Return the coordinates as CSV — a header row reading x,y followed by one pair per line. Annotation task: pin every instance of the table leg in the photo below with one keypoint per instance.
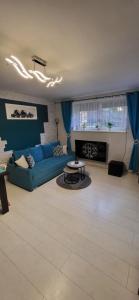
x,y
82,173
3,195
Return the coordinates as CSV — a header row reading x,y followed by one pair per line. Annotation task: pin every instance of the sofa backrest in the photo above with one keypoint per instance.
x,y
39,152
48,149
18,153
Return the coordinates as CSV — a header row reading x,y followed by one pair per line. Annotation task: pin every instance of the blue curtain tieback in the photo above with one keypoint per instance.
x,y
136,142
68,135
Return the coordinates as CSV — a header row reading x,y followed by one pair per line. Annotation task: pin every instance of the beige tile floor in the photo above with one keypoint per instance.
x,y
58,244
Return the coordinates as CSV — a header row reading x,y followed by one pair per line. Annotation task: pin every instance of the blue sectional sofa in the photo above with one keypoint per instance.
x,y
46,166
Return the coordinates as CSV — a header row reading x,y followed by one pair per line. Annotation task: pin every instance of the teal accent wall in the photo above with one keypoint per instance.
x,y
21,134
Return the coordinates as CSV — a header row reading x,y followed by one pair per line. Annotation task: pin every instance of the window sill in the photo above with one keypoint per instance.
x,y
101,131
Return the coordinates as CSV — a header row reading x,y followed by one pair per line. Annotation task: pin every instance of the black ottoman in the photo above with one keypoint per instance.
x,y
116,168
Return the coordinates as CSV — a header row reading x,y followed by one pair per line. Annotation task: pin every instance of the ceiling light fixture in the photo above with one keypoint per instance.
x,y
37,76
30,74
53,82
50,84
43,76
58,80
21,66
17,68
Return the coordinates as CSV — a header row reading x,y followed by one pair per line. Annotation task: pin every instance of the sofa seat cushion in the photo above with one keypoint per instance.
x,y
51,165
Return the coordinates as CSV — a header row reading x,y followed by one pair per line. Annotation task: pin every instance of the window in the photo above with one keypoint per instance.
x,y
102,114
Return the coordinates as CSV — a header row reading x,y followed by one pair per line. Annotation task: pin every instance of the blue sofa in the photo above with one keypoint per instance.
x,y
46,166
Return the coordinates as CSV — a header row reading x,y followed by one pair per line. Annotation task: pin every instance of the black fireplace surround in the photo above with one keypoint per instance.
x,y
91,150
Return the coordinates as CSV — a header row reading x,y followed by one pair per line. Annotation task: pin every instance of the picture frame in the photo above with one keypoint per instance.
x,y
20,112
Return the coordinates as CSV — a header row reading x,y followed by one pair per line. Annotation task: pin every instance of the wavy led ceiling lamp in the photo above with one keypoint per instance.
x,y
18,69
18,62
39,75
53,82
30,74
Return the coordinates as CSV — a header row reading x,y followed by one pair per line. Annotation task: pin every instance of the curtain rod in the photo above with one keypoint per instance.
x,y
99,97
93,97
121,93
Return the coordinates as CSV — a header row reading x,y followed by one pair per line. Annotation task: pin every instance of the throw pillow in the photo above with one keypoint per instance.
x,y
21,162
65,149
30,161
47,151
37,153
58,150
54,144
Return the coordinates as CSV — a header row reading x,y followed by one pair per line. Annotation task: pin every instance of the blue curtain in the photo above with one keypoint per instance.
x,y
133,111
66,108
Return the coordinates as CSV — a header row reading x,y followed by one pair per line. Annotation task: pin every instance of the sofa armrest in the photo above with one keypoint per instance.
x,y
19,169
20,176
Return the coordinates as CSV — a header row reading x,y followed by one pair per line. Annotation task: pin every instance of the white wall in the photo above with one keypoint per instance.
x,y
116,140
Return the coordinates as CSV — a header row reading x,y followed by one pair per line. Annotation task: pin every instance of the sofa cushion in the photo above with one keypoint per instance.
x,y
58,150
30,160
47,151
54,144
18,153
21,162
37,153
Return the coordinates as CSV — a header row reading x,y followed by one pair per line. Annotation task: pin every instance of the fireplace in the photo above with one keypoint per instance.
x,y
91,150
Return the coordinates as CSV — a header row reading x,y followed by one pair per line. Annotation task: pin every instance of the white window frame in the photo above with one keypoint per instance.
x,y
96,115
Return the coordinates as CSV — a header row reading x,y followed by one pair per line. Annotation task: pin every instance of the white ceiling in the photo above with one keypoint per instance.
x,y
93,44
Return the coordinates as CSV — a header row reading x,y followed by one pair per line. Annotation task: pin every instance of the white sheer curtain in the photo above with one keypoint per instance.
x,y
101,114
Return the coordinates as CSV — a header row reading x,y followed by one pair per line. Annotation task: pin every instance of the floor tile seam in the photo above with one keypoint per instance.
x,y
89,294
82,219
95,243
38,290
97,228
72,252
37,251
22,273
97,269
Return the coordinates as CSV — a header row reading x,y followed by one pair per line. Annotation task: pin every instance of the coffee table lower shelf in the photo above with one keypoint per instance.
x,y
72,176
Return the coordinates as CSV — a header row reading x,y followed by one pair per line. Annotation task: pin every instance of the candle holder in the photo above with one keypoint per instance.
x,y
76,160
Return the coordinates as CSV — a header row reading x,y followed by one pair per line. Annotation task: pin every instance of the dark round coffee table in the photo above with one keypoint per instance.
x,y
71,176
79,166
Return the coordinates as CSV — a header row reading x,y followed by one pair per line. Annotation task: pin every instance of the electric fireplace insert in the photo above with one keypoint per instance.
x,y
93,150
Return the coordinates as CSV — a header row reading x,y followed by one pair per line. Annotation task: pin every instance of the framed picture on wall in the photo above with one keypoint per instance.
x,y
20,112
